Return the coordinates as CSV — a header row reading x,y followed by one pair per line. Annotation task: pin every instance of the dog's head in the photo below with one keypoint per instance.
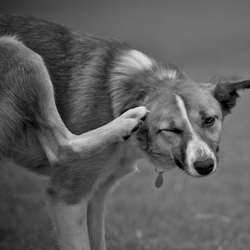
x,y
185,123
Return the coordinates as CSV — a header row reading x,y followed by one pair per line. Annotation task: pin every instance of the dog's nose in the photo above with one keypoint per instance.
x,y
204,167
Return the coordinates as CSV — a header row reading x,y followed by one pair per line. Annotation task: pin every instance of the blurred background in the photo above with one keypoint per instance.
x,y
204,38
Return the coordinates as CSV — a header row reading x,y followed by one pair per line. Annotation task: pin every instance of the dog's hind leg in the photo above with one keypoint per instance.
x,y
27,97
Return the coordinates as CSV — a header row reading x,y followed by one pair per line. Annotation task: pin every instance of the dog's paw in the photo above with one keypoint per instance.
x,y
132,120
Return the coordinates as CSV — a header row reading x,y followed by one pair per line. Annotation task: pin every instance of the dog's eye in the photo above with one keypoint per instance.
x,y
171,130
209,121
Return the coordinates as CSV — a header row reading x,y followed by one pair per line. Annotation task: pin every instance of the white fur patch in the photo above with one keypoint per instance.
x,y
196,146
129,63
183,110
9,38
171,74
133,61
164,74
137,60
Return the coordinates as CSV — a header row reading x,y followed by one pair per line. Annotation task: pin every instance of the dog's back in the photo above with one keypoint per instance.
x,y
78,66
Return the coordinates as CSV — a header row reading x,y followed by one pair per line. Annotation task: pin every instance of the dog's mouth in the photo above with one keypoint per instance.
x,y
182,166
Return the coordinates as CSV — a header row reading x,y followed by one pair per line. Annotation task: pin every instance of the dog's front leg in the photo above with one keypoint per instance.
x,y
96,223
96,215
70,222
96,206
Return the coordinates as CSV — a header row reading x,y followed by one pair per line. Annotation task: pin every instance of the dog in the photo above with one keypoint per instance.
x,y
113,105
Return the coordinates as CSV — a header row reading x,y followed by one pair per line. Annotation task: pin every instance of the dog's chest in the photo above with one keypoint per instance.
x,y
123,162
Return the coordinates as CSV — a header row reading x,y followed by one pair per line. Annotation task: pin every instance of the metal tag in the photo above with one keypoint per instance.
x,y
159,180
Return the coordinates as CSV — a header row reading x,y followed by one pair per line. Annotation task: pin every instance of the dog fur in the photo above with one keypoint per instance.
x,y
96,81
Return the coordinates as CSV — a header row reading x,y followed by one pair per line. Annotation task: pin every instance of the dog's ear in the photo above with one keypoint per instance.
x,y
226,90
